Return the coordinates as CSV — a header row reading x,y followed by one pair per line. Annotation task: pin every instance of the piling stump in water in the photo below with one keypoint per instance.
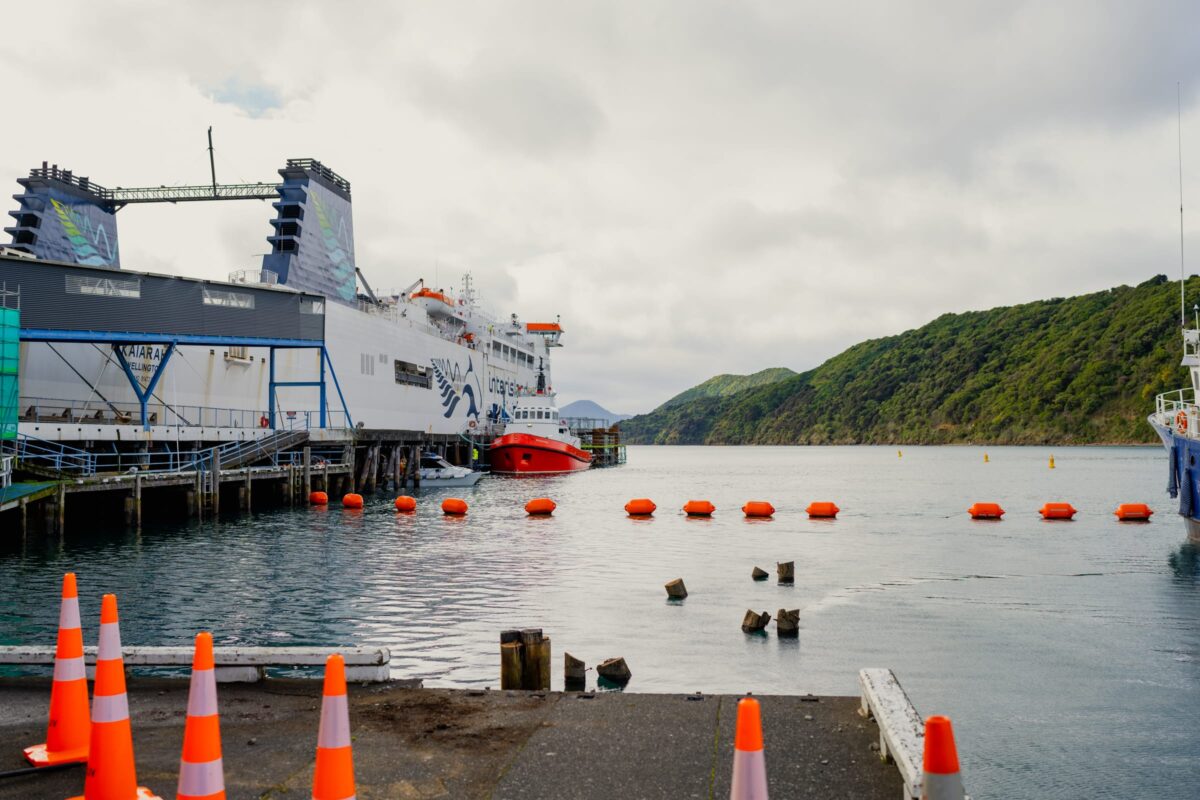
x,y
759,574
676,590
787,622
615,670
786,571
574,673
754,622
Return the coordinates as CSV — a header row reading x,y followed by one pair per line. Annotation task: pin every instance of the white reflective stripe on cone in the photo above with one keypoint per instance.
x,y
110,707
942,787
68,613
69,669
749,776
335,722
202,694
202,779
110,642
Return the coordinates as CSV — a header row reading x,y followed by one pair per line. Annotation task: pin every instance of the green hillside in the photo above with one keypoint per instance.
x,y
723,385
1073,371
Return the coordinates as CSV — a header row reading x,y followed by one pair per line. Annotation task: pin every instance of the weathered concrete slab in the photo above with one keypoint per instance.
x,y
814,747
618,745
440,743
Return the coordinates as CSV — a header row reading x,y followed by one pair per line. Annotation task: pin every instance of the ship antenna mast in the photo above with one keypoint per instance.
x,y
212,165
1179,133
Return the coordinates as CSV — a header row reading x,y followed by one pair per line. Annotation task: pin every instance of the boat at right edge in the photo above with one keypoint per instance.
x,y
1176,419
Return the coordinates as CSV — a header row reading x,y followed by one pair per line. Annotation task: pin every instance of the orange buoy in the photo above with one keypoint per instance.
x,y
823,510
699,508
640,507
1133,512
318,498
454,506
352,500
1058,511
405,503
758,508
986,511
540,507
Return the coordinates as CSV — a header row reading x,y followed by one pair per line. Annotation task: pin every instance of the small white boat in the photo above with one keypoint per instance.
x,y
437,471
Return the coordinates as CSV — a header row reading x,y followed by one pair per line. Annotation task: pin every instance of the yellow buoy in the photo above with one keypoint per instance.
x,y
985,458
1051,461
899,454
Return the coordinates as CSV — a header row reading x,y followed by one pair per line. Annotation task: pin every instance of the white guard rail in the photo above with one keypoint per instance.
x,y
901,730
233,664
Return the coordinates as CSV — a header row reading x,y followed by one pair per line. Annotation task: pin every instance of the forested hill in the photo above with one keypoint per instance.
x,y
722,385
1072,371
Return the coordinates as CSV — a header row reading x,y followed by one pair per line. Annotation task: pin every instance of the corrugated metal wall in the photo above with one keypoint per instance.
x,y
79,298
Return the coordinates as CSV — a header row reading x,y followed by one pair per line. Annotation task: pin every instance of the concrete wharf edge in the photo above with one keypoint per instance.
x,y
412,742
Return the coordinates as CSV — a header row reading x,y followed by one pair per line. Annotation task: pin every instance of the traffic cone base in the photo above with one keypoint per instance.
x,y
39,756
69,727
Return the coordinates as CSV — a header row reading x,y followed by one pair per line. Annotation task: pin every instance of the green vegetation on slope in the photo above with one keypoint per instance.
x,y
723,385
1072,371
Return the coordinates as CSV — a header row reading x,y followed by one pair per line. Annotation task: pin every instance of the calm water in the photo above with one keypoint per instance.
x,y
1068,654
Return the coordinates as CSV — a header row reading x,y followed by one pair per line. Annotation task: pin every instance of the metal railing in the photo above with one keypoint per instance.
x,y
6,468
1178,411
107,412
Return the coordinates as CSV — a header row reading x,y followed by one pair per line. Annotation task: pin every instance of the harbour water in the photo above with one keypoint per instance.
x,y
1067,653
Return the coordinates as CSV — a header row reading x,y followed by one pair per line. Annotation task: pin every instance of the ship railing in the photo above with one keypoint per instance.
x,y
1178,410
170,415
6,468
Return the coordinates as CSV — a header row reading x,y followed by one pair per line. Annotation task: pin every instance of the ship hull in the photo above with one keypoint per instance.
x,y
526,454
1183,476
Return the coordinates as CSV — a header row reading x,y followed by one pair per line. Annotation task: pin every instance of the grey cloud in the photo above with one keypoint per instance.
x,y
522,106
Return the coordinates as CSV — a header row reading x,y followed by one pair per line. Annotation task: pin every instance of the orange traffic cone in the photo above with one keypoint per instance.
x,y
749,766
942,780
201,774
333,778
67,733
110,771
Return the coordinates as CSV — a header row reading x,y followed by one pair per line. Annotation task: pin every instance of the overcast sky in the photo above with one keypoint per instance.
x,y
696,187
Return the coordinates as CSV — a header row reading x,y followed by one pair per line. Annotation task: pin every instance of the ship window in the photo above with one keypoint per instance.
x,y
412,374
541,414
104,287
217,297
312,305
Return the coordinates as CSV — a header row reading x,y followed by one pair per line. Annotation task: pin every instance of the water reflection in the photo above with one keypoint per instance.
x,y
1185,563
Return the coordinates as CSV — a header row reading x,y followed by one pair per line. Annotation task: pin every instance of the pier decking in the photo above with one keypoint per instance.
x,y
432,743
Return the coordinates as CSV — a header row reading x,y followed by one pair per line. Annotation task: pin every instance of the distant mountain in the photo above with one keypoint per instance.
x,y
724,385
590,410
1077,370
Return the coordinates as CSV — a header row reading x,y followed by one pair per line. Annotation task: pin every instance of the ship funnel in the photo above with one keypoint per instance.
x,y
65,217
312,248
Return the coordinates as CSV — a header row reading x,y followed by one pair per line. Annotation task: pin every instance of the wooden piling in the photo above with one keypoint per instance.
x,y
676,590
759,574
786,571
535,659
216,483
306,454
787,622
753,622
416,466
574,673
61,508
137,499
249,489
615,670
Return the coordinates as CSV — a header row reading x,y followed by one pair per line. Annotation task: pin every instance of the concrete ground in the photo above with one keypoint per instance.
x,y
411,742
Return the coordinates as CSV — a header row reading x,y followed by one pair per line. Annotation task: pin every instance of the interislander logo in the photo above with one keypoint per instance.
x,y
455,386
89,241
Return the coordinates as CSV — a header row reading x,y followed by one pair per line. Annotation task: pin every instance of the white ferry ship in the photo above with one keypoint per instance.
x,y
426,359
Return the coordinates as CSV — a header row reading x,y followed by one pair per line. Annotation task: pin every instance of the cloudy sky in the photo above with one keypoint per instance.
x,y
696,187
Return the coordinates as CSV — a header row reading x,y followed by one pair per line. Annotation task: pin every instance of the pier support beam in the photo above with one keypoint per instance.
x,y
306,454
